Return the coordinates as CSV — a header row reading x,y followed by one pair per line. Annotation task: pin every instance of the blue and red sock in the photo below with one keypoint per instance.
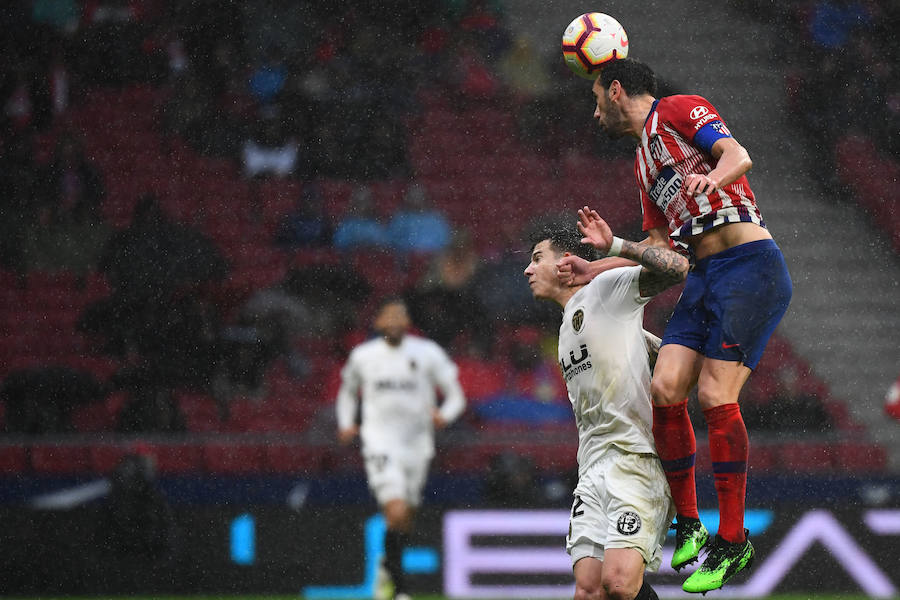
x,y
729,448
677,446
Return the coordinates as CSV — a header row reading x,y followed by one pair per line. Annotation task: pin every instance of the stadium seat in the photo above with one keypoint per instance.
x,y
294,458
800,457
60,459
860,457
177,458
232,458
13,460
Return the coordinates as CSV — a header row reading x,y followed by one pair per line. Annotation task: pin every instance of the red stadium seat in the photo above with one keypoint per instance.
x,y
802,457
232,458
59,459
860,457
294,458
13,460
177,458
105,458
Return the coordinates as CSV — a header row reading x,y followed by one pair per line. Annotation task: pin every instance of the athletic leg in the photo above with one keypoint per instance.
x,y
620,576
678,368
398,516
718,388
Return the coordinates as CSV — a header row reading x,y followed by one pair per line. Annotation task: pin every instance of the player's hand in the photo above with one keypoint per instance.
x,y
696,184
594,229
438,419
573,270
345,436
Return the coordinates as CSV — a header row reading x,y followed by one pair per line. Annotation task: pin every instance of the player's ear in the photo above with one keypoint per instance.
x,y
615,88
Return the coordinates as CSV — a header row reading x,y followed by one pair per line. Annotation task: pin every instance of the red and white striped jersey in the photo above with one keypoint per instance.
x,y
676,141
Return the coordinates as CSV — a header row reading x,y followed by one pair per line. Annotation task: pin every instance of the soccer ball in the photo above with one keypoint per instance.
x,y
591,41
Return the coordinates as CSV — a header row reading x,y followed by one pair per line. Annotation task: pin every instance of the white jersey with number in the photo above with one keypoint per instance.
x,y
397,387
603,357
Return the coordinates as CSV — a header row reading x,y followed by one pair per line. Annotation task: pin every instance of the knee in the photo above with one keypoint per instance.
x,y
589,592
619,588
664,391
711,396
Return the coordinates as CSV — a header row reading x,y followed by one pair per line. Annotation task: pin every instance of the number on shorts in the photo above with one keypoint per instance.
x,y
576,506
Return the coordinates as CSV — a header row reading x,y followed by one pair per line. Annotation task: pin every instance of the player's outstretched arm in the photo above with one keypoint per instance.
x,y
663,267
732,161
573,270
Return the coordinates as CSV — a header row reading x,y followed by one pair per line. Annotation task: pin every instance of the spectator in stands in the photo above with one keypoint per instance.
x,y
417,226
40,400
305,226
150,408
138,520
70,187
154,255
18,178
266,328
269,78
791,407
534,392
511,482
524,72
446,303
360,227
270,149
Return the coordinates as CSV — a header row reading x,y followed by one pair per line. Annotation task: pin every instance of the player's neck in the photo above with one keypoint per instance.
x,y
637,113
565,294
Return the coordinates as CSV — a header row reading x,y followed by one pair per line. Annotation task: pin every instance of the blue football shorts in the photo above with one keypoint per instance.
x,y
732,302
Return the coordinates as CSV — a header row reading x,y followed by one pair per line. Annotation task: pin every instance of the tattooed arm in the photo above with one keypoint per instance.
x,y
662,267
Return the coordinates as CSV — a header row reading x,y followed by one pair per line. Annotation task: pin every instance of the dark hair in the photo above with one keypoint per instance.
x,y
388,301
636,77
563,238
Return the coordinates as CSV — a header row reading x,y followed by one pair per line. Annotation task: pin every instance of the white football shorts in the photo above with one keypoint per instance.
x,y
621,501
394,476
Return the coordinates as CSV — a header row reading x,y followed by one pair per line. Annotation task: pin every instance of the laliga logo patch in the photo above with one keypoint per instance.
x,y
629,523
698,111
578,320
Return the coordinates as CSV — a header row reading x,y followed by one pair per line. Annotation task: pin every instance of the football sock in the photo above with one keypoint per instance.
x,y
729,449
394,541
646,593
676,446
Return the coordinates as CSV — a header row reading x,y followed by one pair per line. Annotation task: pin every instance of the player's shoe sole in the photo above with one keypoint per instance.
x,y
690,537
722,563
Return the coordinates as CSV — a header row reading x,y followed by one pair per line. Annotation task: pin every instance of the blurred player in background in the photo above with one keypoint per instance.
x,y
622,508
694,193
395,376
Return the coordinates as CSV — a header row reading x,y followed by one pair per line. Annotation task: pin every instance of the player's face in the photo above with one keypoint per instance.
x,y
542,272
609,116
392,322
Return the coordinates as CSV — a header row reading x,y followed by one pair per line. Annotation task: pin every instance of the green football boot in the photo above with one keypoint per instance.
x,y
690,537
722,563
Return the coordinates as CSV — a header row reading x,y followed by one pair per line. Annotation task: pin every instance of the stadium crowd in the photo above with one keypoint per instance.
x,y
202,203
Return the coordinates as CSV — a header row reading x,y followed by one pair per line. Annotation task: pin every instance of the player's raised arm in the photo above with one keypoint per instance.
x,y
663,267
733,161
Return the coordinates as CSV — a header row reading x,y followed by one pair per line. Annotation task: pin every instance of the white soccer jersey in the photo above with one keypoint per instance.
x,y
603,357
397,385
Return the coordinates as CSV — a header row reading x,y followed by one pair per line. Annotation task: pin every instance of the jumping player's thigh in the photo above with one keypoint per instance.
x,y
676,373
720,382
